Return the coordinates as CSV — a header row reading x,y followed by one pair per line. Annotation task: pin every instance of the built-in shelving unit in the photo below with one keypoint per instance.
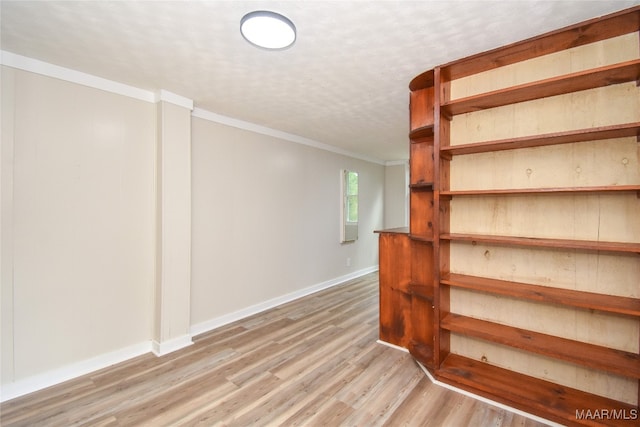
x,y
433,286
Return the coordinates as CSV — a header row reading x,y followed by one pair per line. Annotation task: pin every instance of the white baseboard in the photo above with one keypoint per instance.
x,y
38,382
397,347
56,376
225,319
166,347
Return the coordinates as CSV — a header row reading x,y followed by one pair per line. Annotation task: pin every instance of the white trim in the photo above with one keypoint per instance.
x,y
225,319
241,124
24,63
396,347
56,376
396,162
169,346
39,67
485,400
180,101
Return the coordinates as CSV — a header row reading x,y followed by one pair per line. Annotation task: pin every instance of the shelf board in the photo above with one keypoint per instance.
x,y
422,186
583,80
421,132
590,355
398,230
587,245
556,138
587,32
543,398
422,81
419,238
556,190
546,294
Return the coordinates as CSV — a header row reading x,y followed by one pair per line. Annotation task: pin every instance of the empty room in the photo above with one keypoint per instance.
x,y
342,213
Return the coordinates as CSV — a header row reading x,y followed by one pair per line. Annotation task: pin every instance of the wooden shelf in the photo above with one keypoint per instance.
x,y
557,190
581,135
546,399
422,186
398,230
421,132
583,80
426,239
587,32
422,81
546,294
593,356
586,245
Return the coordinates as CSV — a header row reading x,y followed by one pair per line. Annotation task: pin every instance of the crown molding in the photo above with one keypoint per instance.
x,y
50,70
172,98
24,63
396,163
241,124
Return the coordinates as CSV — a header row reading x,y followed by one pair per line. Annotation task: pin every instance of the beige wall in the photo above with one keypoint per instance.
x,y
266,217
396,203
79,217
82,235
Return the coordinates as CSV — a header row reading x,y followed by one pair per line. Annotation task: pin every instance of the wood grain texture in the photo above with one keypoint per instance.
x,y
598,357
554,138
574,82
314,361
585,245
546,294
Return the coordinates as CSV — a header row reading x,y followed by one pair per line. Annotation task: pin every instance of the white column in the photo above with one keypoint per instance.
x,y
6,230
173,238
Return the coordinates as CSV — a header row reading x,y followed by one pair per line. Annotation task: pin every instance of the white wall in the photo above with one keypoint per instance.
x,y
396,203
79,215
80,232
266,218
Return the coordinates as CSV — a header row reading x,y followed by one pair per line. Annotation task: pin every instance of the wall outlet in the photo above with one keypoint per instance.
x,y
348,262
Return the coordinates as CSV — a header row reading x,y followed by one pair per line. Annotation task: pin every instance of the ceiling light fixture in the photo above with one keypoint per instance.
x,y
268,30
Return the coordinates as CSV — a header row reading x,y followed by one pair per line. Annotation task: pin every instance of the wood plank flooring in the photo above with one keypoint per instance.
x,y
312,362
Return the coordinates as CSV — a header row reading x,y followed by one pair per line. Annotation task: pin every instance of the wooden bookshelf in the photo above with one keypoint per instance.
x,y
429,287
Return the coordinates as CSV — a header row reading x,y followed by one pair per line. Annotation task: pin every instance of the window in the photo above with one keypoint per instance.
x,y
349,229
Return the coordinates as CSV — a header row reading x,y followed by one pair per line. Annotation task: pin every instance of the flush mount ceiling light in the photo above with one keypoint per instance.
x,y
268,30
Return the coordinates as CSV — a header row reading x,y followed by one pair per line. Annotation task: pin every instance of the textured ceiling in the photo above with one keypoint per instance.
x,y
343,83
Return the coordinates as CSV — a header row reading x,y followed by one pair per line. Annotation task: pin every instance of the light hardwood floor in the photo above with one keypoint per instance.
x,y
314,361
